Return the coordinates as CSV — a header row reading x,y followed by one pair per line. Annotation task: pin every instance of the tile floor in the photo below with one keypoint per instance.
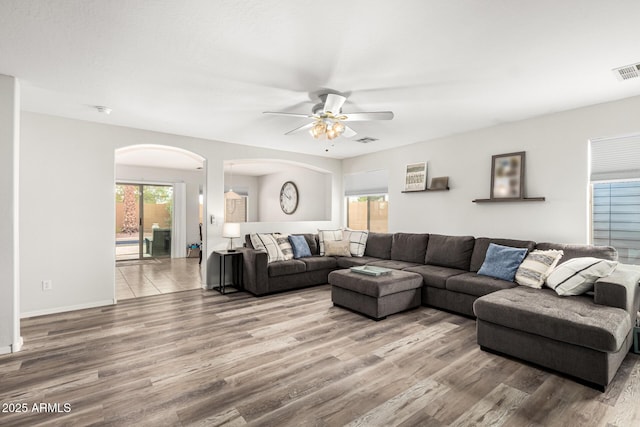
x,y
156,276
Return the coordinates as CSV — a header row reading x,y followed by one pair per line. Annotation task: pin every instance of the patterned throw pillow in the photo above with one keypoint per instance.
x,y
578,275
284,245
325,235
536,267
357,240
337,248
267,243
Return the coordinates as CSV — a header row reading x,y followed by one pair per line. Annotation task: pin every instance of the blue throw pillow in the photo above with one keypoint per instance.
x,y
502,262
300,247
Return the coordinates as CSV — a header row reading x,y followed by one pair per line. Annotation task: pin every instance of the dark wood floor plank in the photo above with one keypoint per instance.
x,y
200,358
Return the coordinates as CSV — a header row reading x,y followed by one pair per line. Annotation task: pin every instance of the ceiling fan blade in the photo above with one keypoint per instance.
x,y
280,113
308,126
348,132
334,103
360,117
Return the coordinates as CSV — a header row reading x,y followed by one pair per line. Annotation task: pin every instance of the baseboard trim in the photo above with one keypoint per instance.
x,y
56,310
15,347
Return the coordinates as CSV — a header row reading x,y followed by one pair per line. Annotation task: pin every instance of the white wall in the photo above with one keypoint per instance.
x,y
10,340
314,195
192,179
67,213
557,165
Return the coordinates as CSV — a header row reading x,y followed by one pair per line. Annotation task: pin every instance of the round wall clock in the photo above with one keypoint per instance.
x,y
289,197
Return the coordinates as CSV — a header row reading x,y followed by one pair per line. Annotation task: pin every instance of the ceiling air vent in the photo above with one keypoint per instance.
x,y
366,139
627,72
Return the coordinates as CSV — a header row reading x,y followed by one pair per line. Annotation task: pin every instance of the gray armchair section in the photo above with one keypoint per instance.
x,y
585,336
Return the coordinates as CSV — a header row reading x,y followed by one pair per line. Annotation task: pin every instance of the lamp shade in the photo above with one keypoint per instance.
x,y
231,230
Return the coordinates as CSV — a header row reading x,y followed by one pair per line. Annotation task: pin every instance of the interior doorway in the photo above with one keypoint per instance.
x,y
143,221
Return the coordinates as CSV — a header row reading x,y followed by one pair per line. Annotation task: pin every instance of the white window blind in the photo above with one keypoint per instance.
x,y
366,183
615,158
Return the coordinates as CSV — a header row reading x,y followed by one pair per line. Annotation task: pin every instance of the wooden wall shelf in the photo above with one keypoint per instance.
x,y
428,189
521,199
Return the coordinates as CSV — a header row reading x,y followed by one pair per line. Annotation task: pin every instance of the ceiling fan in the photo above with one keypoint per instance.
x,y
328,118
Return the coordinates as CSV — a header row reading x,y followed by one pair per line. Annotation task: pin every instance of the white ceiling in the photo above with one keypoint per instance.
x,y
210,68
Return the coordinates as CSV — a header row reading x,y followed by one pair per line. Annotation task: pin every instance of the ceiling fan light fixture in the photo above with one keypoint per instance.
x,y
338,127
318,129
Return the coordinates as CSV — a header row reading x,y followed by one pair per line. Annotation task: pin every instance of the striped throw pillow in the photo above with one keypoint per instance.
x,y
284,245
578,275
267,243
536,267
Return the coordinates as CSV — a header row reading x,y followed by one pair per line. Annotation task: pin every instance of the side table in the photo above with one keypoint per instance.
x,y
236,271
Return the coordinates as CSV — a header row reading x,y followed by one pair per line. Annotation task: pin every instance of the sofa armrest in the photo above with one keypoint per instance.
x,y
254,274
620,289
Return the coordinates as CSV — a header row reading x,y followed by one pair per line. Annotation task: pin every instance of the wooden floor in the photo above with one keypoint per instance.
x,y
155,276
201,358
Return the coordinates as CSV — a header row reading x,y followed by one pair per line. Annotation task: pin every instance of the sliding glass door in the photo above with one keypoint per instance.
x,y
143,221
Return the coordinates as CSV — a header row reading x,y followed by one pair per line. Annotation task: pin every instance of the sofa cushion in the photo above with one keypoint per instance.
x,y
482,244
348,262
379,245
395,265
324,235
450,251
575,320
578,251
284,245
320,263
502,262
536,267
312,242
337,248
578,275
410,247
357,241
282,268
267,243
476,284
299,246
435,276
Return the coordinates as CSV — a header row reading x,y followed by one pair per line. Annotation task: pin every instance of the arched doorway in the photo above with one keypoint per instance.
x,y
159,204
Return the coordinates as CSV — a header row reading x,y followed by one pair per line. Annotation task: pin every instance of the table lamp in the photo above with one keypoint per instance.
x,y
231,230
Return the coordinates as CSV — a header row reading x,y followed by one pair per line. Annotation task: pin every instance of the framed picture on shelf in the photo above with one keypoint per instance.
x,y
507,176
440,183
416,177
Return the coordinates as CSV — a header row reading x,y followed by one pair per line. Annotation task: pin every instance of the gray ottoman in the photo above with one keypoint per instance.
x,y
376,296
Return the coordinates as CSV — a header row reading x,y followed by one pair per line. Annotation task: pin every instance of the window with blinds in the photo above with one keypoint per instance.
x,y
615,179
616,218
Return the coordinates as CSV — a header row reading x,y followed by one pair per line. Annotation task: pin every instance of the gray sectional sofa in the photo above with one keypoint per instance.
x,y
586,336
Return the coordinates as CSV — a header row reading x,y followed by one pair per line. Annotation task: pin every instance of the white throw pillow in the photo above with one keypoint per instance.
x,y
357,241
536,267
267,243
578,275
324,235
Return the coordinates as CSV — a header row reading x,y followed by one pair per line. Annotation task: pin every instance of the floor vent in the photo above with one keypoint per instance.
x,y
627,72
366,139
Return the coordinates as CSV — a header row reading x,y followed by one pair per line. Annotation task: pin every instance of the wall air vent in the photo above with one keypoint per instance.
x,y
366,139
627,72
